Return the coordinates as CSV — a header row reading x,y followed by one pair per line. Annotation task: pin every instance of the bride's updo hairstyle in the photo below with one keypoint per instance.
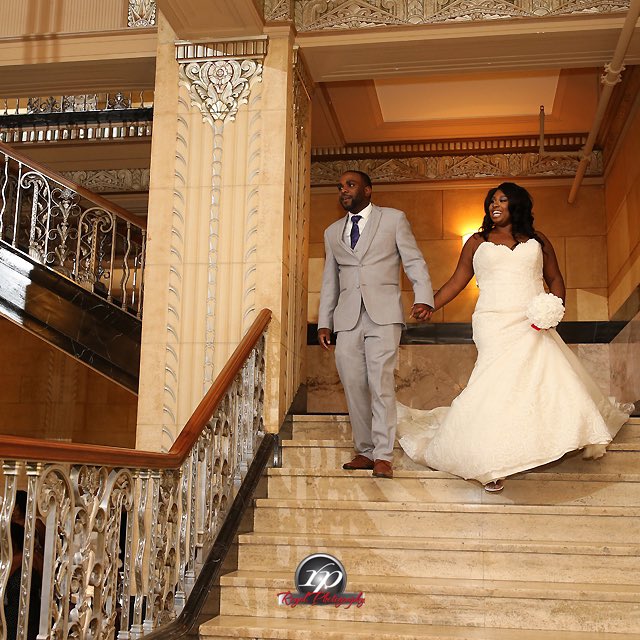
x,y
520,208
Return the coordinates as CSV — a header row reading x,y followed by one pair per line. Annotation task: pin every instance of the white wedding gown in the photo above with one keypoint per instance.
x,y
528,400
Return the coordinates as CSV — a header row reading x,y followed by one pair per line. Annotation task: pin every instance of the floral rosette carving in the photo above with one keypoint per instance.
x,y
219,87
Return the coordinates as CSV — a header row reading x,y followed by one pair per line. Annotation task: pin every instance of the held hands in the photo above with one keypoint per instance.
x,y
324,338
422,312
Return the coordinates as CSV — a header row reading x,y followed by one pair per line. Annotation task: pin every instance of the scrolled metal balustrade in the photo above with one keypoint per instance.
x,y
79,234
86,117
122,534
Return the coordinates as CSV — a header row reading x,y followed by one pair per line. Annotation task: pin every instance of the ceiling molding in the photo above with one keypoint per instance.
x,y
583,41
454,167
471,146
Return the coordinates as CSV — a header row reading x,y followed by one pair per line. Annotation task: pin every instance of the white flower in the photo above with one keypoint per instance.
x,y
545,311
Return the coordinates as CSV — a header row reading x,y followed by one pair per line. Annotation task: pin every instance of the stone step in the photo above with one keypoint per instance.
x,y
435,486
442,601
338,427
332,454
251,628
490,559
447,520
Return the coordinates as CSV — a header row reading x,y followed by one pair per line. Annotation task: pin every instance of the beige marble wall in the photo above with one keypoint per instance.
x,y
428,375
622,201
625,363
47,394
441,215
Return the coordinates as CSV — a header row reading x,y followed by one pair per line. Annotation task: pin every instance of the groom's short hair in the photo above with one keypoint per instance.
x,y
365,177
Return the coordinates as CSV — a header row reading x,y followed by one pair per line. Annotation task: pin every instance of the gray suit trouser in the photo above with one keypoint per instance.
x,y
366,359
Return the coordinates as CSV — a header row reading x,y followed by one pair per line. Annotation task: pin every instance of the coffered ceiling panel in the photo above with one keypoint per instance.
x,y
479,95
454,106
460,80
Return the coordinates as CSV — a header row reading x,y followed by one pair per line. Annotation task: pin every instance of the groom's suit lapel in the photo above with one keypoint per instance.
x,y
340,233
369,231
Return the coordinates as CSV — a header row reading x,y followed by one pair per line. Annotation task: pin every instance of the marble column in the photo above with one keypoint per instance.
x,y
227,223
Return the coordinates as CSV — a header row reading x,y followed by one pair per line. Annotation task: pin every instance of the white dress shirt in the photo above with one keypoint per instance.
x,y
361,223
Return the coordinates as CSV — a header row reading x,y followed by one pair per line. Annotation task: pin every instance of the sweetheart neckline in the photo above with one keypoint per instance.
x,y
506,246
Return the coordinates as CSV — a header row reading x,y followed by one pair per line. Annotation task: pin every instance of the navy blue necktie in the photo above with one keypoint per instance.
x,y
355,231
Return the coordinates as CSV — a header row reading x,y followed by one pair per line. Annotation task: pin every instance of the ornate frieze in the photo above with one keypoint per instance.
x,y
142,13
219,76
458,167
111,180
279,10
316,15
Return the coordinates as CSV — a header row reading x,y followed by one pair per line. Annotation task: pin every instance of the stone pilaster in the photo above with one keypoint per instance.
x,y
226,235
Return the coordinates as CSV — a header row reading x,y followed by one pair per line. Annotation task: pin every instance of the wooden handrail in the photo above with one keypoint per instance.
x,y
85,193
20,448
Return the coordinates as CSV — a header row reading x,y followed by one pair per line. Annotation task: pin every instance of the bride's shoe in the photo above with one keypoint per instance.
x,y
495,486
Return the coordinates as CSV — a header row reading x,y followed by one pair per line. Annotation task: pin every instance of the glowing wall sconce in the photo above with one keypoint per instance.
x,y
466,236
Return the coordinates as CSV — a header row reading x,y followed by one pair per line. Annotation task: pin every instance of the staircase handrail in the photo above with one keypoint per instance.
x,y
77,233
96,198
22,448
115,539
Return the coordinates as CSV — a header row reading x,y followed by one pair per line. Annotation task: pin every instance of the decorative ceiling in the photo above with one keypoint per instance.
x,y
454,106
460,80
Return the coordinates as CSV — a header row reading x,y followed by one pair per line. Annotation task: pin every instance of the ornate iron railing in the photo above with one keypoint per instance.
x,y
96,116
61,225
82,103
114,539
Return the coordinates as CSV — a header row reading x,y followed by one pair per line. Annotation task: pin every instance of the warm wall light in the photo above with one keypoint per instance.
x,y
466,236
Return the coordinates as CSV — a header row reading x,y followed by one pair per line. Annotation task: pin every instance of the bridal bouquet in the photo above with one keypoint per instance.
x,y
545,311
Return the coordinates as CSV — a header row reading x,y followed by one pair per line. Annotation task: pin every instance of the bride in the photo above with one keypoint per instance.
x,y
529,400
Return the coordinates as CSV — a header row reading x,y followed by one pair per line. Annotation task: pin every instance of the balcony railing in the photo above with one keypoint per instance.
x,y
59,118
79,234
111,540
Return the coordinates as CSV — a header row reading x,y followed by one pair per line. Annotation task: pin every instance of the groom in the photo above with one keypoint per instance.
x,y
360,301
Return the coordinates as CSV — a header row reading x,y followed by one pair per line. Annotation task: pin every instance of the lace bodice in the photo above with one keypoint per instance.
x,y
508,279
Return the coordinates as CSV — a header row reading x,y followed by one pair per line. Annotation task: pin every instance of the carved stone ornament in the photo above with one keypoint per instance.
x,y
142,13
391,170
278,10
219,87
111,180
315,15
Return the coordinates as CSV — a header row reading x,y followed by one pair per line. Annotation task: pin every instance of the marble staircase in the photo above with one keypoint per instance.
x,y
555,556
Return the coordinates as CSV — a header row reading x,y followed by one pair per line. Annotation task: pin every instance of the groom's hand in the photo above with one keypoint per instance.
x,y
421,311
324,338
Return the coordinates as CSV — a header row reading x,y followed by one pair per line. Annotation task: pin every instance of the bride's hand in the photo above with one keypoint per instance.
x,y
422,312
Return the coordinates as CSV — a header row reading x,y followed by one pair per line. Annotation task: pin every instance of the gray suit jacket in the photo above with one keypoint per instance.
x,y
370,273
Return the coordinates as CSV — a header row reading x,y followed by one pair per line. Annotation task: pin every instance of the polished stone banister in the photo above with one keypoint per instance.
x,y
112,541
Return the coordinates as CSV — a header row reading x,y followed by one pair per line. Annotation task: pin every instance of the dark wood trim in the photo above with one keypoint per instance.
x,y
20,448
85,193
